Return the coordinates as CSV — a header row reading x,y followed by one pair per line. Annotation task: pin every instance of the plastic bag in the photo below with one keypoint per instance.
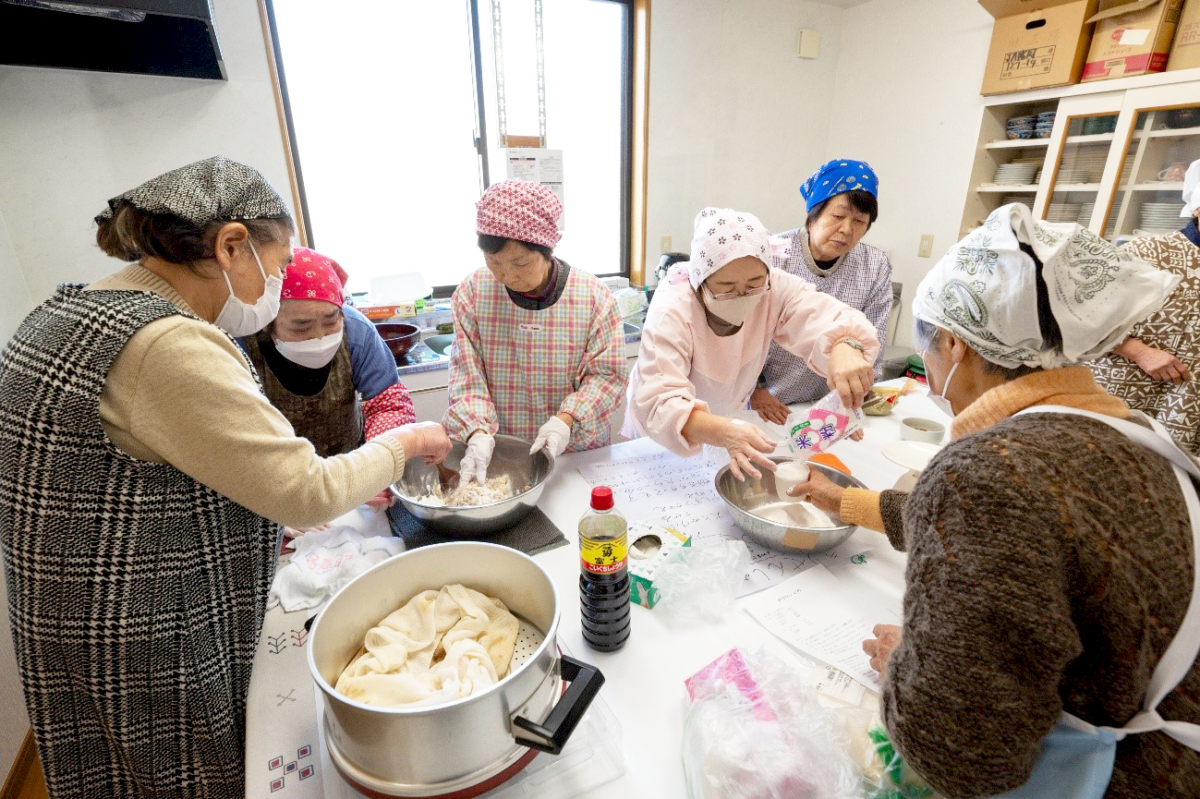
x,y
756,730
630,301
818,428
893,778
703,580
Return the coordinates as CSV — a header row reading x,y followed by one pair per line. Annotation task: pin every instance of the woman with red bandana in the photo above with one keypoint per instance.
x,y
320,356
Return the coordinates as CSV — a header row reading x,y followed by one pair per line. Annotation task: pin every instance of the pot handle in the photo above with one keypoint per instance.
x,y
551,736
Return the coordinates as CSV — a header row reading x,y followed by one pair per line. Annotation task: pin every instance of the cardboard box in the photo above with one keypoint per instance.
x,y
1036,43
657,544
1185,53
1132,37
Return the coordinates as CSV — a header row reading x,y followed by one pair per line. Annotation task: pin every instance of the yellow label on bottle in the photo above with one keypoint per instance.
x,y
607,556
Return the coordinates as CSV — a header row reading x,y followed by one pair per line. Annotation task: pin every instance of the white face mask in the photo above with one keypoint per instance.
x,y
312,353
238,318
940,400
733,311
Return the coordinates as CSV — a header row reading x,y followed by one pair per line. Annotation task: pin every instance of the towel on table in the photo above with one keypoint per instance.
x,y
442,645
326,560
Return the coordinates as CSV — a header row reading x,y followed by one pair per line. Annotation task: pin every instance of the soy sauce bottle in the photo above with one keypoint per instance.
x,y
604,574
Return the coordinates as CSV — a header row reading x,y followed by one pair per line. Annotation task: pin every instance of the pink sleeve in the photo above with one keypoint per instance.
x,y
470,407
389,408
810,322
663,396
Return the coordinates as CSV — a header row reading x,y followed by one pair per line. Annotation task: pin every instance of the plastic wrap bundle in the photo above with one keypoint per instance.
x,y
702,581
756,730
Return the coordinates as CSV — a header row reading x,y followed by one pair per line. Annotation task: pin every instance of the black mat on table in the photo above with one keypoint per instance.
x,y
533,534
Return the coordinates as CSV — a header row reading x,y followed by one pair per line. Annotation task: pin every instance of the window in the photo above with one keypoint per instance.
x,y
391,150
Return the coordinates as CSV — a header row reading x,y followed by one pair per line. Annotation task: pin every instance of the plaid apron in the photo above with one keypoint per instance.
x,y
135,593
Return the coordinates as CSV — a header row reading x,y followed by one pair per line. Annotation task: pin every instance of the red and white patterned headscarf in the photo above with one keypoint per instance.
x,y
312,276
521,210
723,235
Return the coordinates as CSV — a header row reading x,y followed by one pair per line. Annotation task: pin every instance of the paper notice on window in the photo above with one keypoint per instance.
x,y
808,612
663,488
539,165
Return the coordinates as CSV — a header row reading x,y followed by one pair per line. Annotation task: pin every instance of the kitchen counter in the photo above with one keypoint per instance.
x,y
422,359
644,681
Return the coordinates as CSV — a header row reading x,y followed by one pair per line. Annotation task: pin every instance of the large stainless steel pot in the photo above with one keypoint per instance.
x,y
456,746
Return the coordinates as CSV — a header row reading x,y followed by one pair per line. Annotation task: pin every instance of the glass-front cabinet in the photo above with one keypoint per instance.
x,y
1113,161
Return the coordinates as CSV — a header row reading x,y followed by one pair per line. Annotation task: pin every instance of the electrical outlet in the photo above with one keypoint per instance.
x,y
664,244
926,248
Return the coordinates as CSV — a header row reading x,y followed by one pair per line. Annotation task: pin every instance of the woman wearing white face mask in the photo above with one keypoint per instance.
x,y
1052,557
319,356
145,480
706,339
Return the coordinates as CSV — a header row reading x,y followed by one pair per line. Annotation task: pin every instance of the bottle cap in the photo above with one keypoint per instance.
x,y
602,498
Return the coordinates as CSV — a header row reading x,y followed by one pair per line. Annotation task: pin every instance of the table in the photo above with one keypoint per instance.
x,y
644,681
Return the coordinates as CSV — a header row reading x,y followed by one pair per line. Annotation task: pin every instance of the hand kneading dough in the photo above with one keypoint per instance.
x,y
441,646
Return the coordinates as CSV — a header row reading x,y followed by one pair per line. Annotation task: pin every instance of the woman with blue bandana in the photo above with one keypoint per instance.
x,y
841,200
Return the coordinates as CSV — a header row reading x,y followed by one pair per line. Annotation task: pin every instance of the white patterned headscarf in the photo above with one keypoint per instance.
x,y
1191,190
984,291
723,235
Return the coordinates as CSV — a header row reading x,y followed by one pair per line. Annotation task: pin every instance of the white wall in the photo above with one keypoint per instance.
x,y
69,141
736,118
906,100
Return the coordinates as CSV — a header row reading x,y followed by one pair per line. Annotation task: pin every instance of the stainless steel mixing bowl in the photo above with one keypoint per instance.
x,y
526,473
743,498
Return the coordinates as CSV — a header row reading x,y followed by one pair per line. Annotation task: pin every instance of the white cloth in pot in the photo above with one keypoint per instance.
x,y
440,646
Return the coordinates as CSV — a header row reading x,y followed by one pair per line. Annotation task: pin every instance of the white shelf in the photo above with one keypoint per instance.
x,y
1016,144
1167,132
1095,87
1076,187
1171,187
1002,188
1091,138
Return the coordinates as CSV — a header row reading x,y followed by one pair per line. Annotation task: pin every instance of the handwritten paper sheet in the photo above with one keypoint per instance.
x,y
809,612
676,492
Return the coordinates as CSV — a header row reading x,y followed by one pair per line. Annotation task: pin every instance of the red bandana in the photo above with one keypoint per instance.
x,y
312,276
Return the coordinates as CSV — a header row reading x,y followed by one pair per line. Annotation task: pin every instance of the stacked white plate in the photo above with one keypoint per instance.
x,y
1015,174
1009,199
1161,217
1074,176
1085,213
1063,212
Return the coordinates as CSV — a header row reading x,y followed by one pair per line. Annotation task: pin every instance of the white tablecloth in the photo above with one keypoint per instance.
x,y
644,681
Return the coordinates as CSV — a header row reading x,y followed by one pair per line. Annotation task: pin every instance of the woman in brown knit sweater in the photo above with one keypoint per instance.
x,y
1050,558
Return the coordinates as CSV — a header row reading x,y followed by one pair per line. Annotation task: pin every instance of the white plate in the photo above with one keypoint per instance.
x,y
914,455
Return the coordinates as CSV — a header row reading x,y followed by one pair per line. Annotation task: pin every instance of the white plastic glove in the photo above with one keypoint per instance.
x,y
553,437
477,457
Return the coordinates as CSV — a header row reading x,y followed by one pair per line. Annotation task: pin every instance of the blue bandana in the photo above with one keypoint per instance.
x,y
838,177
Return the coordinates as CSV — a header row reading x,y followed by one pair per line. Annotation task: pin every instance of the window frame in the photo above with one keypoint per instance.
x,y
634,129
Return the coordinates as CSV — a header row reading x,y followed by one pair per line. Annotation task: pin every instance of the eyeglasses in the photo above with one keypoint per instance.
x,y
733,295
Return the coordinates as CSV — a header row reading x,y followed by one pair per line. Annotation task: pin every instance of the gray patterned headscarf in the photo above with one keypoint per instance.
x,y
984,291
213,190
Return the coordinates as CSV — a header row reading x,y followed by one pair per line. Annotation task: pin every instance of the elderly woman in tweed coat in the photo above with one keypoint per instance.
x,y
143,480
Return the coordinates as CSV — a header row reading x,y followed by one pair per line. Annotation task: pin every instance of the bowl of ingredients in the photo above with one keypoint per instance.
x,y
781,523
441,344
399,338
513,486
914,428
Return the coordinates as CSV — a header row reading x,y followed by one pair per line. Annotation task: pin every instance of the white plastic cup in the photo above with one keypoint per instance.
x,y
787,475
